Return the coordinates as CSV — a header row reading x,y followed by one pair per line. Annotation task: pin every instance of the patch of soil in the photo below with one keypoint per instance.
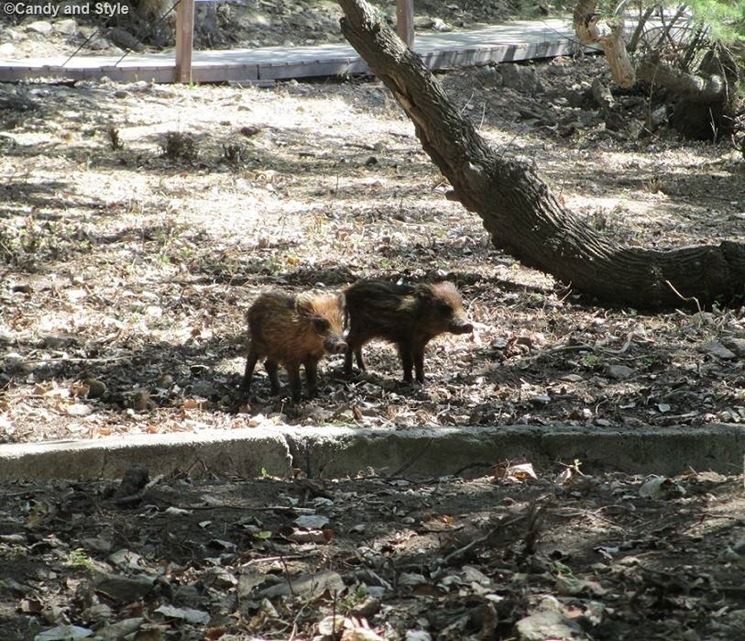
x,y
605,557
139,222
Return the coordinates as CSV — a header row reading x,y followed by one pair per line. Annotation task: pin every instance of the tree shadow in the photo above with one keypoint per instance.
x,y
593,530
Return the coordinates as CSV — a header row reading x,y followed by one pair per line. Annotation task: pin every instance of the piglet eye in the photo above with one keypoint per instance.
x,y
444,308
321,325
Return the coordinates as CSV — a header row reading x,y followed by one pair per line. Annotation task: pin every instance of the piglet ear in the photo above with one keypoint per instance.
x,y
304,305
424,293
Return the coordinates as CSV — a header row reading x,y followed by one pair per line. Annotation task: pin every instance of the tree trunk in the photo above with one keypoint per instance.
x,y
703,104
609,36
519,210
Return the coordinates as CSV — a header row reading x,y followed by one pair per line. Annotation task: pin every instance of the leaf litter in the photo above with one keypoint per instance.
x,y
555,554
127,269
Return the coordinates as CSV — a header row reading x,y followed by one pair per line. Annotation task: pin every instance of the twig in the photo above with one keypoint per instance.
x,y
272,559
460,552
639,29
293,632
287,575
685,299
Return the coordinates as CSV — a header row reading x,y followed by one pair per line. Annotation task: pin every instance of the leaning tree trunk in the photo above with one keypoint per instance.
x,y
519,210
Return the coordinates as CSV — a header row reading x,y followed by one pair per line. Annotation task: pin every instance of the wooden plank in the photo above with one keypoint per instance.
x,y
309,69
515,41
405,21
242,72
184,40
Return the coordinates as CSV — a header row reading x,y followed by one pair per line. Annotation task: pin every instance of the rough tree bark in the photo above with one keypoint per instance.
x,y
519,210
608,35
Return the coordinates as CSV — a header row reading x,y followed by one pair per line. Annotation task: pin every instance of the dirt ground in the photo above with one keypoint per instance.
x,y
137,224
506,556
132,245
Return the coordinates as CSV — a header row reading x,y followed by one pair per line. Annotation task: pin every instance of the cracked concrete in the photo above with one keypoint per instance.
x,y
337,452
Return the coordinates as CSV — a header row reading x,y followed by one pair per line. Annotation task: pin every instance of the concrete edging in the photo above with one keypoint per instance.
x,y
336,452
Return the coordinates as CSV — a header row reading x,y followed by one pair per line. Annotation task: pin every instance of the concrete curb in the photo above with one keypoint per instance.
x,y
335,452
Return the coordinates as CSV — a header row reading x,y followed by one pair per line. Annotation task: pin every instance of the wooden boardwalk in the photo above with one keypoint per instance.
x,y
513,41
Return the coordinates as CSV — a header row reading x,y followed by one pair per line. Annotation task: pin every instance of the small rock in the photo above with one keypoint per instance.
x,y
122,38
619,372
205,389
572,378
547,624
474,575
440,25
258,20
367,608
423,22
521,78
715,348
124,589
602,94
411,579
64,633
737,345
96,388
67,27
120,629
184,614
311,521
7,49
40,26
661,487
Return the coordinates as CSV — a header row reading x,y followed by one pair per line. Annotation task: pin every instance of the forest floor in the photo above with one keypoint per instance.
x,y
132,245
138,223
502,557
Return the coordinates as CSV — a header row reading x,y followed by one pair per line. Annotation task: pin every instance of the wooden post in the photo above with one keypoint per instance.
x,y
184,39
405,21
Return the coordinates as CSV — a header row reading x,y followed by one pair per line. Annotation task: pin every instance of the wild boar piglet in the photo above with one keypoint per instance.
x,y
292,331
407,315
